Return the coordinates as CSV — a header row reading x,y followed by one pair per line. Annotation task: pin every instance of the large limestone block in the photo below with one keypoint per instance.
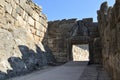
x,y
31,21
42,34
20,22
43,22
38,33
8,8
9,19
2,12
38,26
14,14
28,9
35,16
33,30
22,37
6,48
7,42
22,2
36,38
19,10
13,4
2,3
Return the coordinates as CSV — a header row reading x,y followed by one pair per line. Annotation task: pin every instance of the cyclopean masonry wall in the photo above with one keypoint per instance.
x,y
22,30
28,41
58,34
65,33
109,28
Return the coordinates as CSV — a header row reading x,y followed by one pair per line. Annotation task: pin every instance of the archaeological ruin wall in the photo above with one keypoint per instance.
x,y
109,28
62,34
29,41
22,30
58,34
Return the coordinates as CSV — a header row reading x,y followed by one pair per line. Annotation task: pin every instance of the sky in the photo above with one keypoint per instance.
x,y
67,9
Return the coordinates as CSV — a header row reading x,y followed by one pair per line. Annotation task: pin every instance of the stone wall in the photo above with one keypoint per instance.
x,y
28,41
58,34
109,28
62,34
22,30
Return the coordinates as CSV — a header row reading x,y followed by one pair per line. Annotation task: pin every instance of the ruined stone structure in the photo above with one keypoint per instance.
x,y
29,42
109,28
22,30
65,33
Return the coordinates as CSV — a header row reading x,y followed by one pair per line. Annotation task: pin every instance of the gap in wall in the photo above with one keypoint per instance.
x,y
80,52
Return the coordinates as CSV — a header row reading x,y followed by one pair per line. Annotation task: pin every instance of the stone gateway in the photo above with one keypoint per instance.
x,y
29,42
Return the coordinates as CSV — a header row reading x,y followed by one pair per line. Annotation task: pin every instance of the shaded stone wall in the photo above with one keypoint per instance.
x,y
58,34
62,34
22,30
109,28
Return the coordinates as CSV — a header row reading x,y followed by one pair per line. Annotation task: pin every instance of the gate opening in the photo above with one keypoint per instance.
x,y
80,52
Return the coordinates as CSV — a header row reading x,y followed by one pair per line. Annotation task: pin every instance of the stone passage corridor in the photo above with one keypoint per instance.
x,y
68,71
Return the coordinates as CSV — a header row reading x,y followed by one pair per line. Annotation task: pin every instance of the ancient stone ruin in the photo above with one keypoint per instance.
x,y
65,33
109,30
22,34
29,41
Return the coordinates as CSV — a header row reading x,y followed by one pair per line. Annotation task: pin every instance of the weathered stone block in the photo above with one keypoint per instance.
x,y
38,26
13,4
43,29
41,39
42,34
14,14
25,16
2,3
37,38
8,8
2,12
28,9
9,19
22,2
31,21
20,22
35,16
19,11
43,22
7,44
33,30
38,33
